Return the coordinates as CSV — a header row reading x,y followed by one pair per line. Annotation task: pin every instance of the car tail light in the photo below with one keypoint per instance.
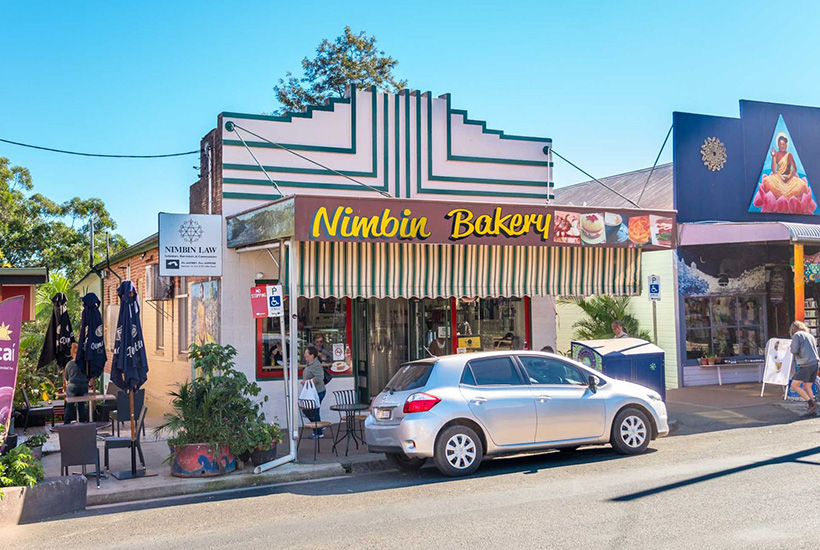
x,y
420,402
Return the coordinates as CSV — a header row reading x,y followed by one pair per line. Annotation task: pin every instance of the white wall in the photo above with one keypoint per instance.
x,y
543,322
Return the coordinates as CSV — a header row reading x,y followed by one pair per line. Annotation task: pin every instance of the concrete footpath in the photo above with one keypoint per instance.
x,y
691,410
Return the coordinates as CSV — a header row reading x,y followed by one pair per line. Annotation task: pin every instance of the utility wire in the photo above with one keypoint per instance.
x,y
656,162
259,164
97,154
235,126
595,179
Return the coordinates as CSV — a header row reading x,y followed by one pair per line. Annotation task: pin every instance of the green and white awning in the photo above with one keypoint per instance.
x,y
405,270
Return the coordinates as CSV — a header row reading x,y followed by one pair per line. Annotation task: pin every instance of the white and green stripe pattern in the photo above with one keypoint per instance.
x,y
394,270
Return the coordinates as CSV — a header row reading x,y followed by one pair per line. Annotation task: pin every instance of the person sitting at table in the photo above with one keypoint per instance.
x,y
76,386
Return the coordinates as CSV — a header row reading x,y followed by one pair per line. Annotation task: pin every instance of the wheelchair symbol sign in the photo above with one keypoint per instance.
x,y
275,308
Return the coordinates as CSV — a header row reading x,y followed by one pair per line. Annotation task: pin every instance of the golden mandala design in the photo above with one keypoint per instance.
x,y
713,153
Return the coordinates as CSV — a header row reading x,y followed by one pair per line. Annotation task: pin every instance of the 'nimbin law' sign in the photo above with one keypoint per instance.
x,y
190,245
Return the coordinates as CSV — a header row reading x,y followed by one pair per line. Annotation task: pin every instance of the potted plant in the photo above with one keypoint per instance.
x,y
710,359
20,468
35,443
212,415
265,438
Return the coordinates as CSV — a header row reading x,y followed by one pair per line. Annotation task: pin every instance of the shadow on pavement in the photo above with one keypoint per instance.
x,y
390,479
791,457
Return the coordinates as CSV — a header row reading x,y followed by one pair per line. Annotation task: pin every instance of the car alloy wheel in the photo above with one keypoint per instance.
x,y
460,451
633,431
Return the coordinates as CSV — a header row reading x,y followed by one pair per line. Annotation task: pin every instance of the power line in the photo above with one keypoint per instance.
x,y
633,203
97,154
656,162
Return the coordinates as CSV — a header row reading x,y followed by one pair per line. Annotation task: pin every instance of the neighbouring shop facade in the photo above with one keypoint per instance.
x,y
748,257
422,232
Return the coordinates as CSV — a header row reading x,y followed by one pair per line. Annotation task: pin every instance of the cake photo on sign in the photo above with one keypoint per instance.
x,y
592,228
567,228
783,187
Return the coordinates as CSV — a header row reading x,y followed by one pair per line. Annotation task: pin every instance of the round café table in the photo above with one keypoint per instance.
x,y
350,410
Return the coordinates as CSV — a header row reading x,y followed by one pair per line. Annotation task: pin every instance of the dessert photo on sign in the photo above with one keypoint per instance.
x,y
592,228
567,228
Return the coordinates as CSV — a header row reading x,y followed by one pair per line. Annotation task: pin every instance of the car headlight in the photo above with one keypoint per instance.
x,y
654,396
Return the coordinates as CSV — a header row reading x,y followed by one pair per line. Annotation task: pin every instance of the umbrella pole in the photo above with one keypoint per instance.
x,y
133,438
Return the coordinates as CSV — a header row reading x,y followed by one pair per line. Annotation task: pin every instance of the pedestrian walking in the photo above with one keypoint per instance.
x,y
315,372
804,350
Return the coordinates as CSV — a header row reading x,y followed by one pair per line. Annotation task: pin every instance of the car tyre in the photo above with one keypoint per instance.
x,y
458,451
404,463
631,432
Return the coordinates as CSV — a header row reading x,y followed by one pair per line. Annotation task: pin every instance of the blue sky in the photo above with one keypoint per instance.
x,y
600,78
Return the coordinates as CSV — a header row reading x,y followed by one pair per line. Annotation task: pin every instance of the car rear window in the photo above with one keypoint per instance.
x,y
495,371
410,377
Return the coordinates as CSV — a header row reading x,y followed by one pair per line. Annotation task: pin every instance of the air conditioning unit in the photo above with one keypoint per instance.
x,y
157,288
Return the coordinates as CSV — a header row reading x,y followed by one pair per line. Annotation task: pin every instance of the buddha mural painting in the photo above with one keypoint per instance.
x,y
783,187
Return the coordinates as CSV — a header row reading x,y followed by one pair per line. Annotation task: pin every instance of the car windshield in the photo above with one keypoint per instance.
x,y
410,377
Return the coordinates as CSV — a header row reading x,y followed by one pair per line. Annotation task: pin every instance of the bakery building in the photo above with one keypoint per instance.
x,y
748,257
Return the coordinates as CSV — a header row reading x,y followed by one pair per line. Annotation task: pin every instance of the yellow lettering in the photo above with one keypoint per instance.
x,y
543,228
419,228
321,220
484,225
462,226
389,225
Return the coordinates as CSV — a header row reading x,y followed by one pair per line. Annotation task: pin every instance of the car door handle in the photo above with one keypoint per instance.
x,y
478,400
543,398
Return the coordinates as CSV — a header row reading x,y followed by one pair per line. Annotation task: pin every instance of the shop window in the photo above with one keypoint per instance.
x,y
160,325
321,322
725,326
485,324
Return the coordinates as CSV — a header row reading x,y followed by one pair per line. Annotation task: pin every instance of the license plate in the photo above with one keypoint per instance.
x,y
382,414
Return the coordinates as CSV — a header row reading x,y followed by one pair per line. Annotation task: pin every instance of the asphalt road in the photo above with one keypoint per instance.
x,y
742,488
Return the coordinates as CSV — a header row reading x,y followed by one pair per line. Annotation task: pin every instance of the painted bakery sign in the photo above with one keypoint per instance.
x,y
783,186
362,220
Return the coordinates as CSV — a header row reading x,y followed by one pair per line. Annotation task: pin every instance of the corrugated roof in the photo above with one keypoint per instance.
x,y
658,194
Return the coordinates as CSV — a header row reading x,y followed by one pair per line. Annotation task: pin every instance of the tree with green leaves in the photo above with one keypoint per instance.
x,y
600,312
36,231
350,59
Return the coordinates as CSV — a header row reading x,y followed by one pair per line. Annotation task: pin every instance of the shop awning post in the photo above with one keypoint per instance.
x,y
294,342
799,282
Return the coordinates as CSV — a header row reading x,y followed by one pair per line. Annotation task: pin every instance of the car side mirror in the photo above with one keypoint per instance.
x,y
593,383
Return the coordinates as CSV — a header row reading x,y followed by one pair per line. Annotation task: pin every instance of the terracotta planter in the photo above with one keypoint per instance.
x,y
201,460
710,361
261,457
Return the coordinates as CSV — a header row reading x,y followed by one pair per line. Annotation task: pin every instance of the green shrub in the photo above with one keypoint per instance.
x,y
19,468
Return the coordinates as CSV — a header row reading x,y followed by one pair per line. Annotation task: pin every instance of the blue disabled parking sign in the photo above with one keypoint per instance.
x,y
654,288
275,308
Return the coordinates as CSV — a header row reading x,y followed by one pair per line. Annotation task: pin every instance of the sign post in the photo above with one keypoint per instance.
x,y
655,297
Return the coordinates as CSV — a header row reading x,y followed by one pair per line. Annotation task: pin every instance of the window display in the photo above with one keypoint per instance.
x,y
493,323
725,326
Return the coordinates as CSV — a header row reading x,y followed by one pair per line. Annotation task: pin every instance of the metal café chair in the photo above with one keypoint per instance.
x,y
123,412
40,411
348,397
125,442
309,410
78,447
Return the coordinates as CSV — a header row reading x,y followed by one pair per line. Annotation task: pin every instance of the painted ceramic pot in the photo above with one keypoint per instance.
x,y
202,461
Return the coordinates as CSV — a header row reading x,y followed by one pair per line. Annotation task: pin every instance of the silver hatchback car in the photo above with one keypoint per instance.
x,y
460,408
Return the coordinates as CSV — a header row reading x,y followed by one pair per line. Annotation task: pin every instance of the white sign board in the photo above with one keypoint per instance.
x,y
275,306
654,288
778,362
190,245
338,352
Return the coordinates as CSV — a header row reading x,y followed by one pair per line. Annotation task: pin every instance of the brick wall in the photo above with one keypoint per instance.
x,y
198,197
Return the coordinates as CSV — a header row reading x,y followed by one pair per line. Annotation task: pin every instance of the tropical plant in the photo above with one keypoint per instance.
x,y
36,441
20,468
350,59
600,312
218,407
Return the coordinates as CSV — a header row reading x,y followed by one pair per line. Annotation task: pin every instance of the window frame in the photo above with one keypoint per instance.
x,y
522,380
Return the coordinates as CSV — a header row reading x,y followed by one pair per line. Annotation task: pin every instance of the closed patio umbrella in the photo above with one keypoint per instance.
x,y
129,365
91,354
59,335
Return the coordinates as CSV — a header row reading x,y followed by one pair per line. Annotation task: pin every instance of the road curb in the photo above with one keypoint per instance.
x,y
283,474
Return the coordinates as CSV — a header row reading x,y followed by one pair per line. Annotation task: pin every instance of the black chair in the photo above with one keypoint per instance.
x,y
123,412
40,411
105,408
78,447
125,442
309,410
348,397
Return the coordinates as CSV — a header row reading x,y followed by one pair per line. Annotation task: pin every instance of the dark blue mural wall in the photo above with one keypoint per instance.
x,y
725,194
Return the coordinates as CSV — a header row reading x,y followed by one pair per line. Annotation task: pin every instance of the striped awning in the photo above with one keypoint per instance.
x,y
403,270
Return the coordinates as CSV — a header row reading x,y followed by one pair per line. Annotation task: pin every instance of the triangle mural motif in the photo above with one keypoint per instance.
x,y
783,187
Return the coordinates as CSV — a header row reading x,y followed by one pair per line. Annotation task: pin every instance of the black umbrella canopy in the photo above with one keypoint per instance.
x,y
129,366
59,335
91,351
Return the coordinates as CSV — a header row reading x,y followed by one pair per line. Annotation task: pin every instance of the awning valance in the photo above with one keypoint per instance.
x,y
408,270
